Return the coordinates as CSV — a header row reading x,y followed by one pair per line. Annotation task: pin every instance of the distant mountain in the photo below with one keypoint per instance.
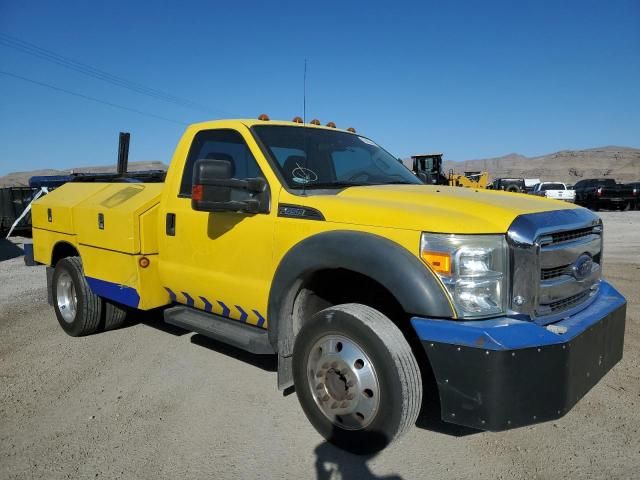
x,y
620,163
21,179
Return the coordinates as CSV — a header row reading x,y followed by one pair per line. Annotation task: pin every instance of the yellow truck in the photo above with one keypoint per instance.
x,y
374,290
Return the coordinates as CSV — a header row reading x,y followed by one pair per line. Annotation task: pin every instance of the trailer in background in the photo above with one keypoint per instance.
x,y
13,202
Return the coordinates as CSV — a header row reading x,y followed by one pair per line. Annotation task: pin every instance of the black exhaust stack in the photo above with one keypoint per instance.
x,y
123,153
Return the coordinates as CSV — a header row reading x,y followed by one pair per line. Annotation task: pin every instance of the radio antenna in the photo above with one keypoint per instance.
x,y
304,93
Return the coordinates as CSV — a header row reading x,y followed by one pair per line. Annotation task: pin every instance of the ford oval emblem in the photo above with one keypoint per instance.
x,y
582,267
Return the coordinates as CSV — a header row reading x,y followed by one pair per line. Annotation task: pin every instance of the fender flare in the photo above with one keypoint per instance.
x,y
394,267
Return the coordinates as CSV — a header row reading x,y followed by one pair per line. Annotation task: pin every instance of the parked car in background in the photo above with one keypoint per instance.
x,y
635,202
515,185
530,184
555,190
597,193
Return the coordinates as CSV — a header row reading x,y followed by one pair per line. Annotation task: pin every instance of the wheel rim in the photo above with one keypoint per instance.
x,y
343,382
66,297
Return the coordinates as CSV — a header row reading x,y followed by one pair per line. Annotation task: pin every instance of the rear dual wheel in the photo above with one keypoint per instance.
x,y
80,311
356,377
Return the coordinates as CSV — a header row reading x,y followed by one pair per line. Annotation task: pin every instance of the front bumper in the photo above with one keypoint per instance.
x,y
504,373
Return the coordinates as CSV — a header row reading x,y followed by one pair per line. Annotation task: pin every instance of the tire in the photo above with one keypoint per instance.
x,y
114,315
356,378
78,309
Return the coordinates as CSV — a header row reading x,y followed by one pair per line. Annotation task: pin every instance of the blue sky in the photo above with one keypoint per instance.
x,y
472,79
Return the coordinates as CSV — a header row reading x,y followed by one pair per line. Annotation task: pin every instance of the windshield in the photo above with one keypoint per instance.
x,y
425,164
318,158
552,186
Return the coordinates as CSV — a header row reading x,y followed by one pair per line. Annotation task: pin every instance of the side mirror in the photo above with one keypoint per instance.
x,y
215,190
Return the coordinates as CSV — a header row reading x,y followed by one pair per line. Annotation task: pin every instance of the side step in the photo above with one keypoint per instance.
x,y
241,335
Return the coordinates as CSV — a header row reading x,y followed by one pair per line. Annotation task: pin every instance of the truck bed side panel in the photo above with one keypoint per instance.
x,y
45,240
119,277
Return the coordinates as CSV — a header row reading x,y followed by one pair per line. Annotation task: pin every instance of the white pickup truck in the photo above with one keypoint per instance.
x,y
555,190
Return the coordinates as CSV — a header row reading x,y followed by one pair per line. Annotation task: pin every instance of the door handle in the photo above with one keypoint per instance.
x,y
170,224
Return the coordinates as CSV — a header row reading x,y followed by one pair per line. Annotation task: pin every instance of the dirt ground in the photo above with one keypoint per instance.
x,y
149,401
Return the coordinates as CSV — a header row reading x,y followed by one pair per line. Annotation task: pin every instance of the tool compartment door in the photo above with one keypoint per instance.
x,y
55,210
110,219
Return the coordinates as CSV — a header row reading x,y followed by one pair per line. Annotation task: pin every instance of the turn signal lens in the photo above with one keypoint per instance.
x,y
297,120
144,262
439,261
264,117
315,121
196,193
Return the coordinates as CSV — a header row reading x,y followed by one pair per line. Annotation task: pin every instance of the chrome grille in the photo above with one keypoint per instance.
x,y
560,237
548,273
555,262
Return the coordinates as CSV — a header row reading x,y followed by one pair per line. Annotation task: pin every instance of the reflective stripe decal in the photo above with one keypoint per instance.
x,y
171,293
207,304
262,322
188,298
243,315
225,309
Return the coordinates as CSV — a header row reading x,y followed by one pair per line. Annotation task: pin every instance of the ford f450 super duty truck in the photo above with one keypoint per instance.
x,y
315,244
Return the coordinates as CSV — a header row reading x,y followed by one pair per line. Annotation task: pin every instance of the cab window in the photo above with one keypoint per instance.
x,y
219,145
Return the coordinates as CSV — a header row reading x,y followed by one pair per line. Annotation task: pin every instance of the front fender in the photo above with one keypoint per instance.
x,y
401,273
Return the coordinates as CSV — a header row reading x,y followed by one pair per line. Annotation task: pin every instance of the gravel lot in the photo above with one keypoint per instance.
x,y
154,402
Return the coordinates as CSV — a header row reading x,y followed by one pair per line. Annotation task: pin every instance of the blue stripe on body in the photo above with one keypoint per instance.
x,y
207,304
188,298
243,315
113,291
171,294
261,319
225,309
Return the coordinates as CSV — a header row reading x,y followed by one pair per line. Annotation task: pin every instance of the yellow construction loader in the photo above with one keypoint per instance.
x,y
428,168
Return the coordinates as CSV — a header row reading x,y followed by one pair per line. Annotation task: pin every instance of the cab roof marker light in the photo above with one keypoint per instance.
x,y
297,120
331,125
315,121
264,117
351,129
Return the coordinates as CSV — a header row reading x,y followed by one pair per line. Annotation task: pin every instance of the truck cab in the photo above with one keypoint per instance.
x,y
315,244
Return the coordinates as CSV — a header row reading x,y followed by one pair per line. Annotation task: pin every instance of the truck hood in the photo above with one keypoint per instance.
x,y
426,208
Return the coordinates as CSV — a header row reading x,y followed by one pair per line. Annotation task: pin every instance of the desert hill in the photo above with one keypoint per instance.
x,y
620,163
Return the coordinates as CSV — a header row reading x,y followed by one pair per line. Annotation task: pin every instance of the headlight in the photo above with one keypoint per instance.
x,y
472,268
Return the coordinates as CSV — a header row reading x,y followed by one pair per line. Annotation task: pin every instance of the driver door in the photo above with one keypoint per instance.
x,y
219,262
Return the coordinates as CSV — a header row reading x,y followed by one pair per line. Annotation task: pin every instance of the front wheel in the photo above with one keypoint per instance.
x,y
356,377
